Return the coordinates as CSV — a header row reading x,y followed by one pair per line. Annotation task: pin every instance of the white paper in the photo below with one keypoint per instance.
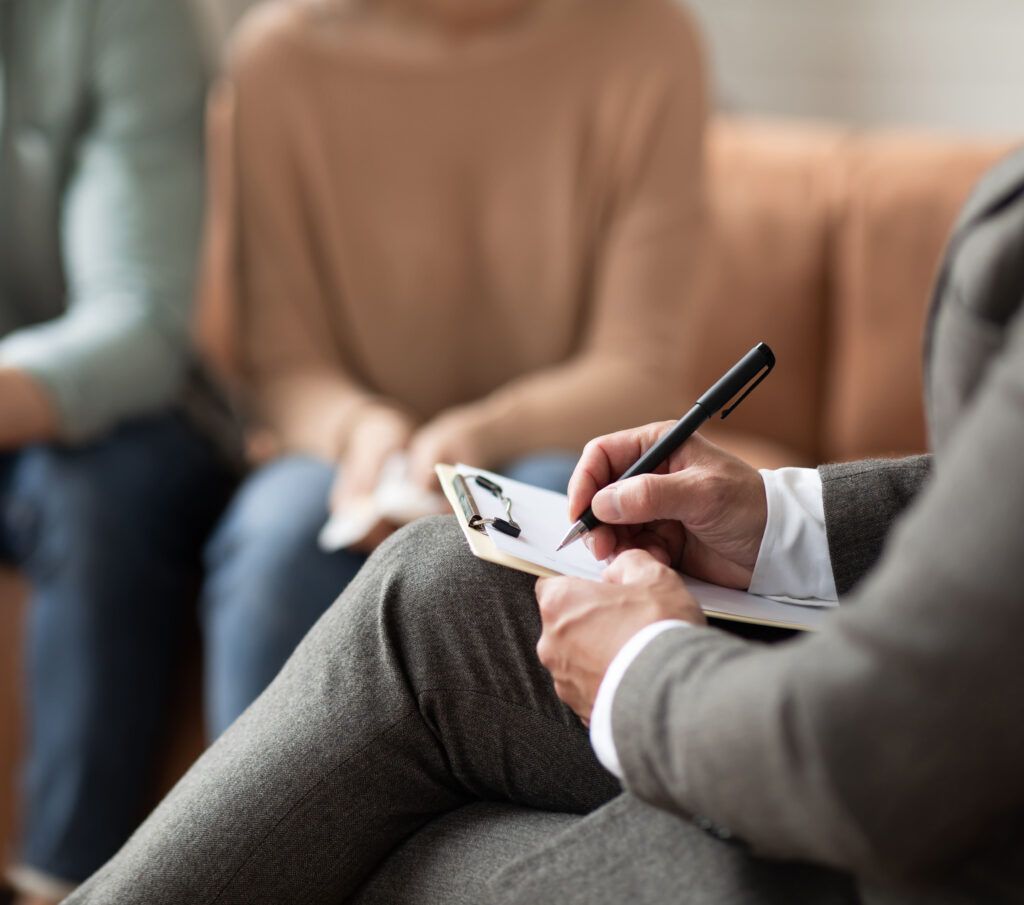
x,y
543,517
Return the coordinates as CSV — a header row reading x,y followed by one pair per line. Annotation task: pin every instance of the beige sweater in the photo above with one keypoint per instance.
x,y
505,227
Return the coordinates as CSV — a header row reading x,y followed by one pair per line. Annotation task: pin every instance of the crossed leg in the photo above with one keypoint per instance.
x,y
416,693
416,697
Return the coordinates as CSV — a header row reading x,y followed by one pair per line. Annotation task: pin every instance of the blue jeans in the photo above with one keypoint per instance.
x,y
109,536
268,581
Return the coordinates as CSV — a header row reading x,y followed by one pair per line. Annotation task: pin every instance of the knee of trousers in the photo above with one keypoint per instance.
x,y
444,601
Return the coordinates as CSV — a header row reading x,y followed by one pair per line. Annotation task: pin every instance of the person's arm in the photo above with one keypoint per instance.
x,y
890,742
131,214
629,367
265,323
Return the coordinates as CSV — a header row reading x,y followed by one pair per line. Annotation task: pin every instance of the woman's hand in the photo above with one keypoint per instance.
x,y
585,624
449,438
703,511
379,434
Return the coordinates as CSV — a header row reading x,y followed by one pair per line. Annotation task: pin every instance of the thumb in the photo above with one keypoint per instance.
x,y
645,498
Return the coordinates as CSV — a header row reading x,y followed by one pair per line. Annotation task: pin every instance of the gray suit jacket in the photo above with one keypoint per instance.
x,y
891,744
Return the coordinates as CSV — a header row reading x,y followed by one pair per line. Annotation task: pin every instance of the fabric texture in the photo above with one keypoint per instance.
x,y
602,739
629,851
454,859
389,714
379,208
109,535
862,500
101,178
266,582
393,713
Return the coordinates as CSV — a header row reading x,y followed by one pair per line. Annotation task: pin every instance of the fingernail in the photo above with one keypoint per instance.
x,y
589,543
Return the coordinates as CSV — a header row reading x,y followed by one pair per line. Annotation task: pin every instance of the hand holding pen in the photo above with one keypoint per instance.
x,y
691,504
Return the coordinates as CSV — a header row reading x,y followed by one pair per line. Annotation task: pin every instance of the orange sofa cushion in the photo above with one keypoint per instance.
x,y
899,197
764,276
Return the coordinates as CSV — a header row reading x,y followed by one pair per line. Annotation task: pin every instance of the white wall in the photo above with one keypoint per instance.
x,y
951,64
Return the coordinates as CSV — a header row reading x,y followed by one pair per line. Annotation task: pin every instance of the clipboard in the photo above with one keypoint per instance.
x,y
718,603
480,542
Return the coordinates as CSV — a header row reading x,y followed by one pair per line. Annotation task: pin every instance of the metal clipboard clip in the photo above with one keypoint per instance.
x,y
474,519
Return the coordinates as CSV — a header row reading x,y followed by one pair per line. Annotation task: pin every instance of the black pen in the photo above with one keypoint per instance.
x,y
758,361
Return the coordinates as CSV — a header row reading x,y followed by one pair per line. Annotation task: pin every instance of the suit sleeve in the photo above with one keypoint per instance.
x,y
862,501
889,743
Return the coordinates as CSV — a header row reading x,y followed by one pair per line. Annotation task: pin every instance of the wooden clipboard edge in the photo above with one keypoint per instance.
x,y
751,620
483,547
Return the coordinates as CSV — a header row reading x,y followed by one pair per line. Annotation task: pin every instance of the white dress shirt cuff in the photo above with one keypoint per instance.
x,y
793,560
601,739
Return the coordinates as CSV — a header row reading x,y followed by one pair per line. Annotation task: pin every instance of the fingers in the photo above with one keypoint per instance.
x,y
653,544
553,594
605,458
602,542
645,498
379,434
451,437
356,477
634,567
421,467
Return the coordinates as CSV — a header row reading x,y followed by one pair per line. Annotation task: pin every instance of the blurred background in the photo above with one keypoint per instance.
x,y
844,139
943,64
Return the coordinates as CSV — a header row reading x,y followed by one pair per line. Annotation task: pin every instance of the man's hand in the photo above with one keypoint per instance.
x,y
449,438
586,624
27,414
703,511
379,434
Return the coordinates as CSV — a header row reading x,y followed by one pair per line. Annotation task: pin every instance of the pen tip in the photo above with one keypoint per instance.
x,y
575,532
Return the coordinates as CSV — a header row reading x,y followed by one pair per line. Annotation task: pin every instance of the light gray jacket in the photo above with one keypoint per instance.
x,y
100,201
891,744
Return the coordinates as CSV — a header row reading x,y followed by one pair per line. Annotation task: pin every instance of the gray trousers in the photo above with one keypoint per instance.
x,y
413,750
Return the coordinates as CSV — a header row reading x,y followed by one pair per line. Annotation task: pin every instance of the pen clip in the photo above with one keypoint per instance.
x,y
750,389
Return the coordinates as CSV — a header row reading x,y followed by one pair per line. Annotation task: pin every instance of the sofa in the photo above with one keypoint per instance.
x,y
823,242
